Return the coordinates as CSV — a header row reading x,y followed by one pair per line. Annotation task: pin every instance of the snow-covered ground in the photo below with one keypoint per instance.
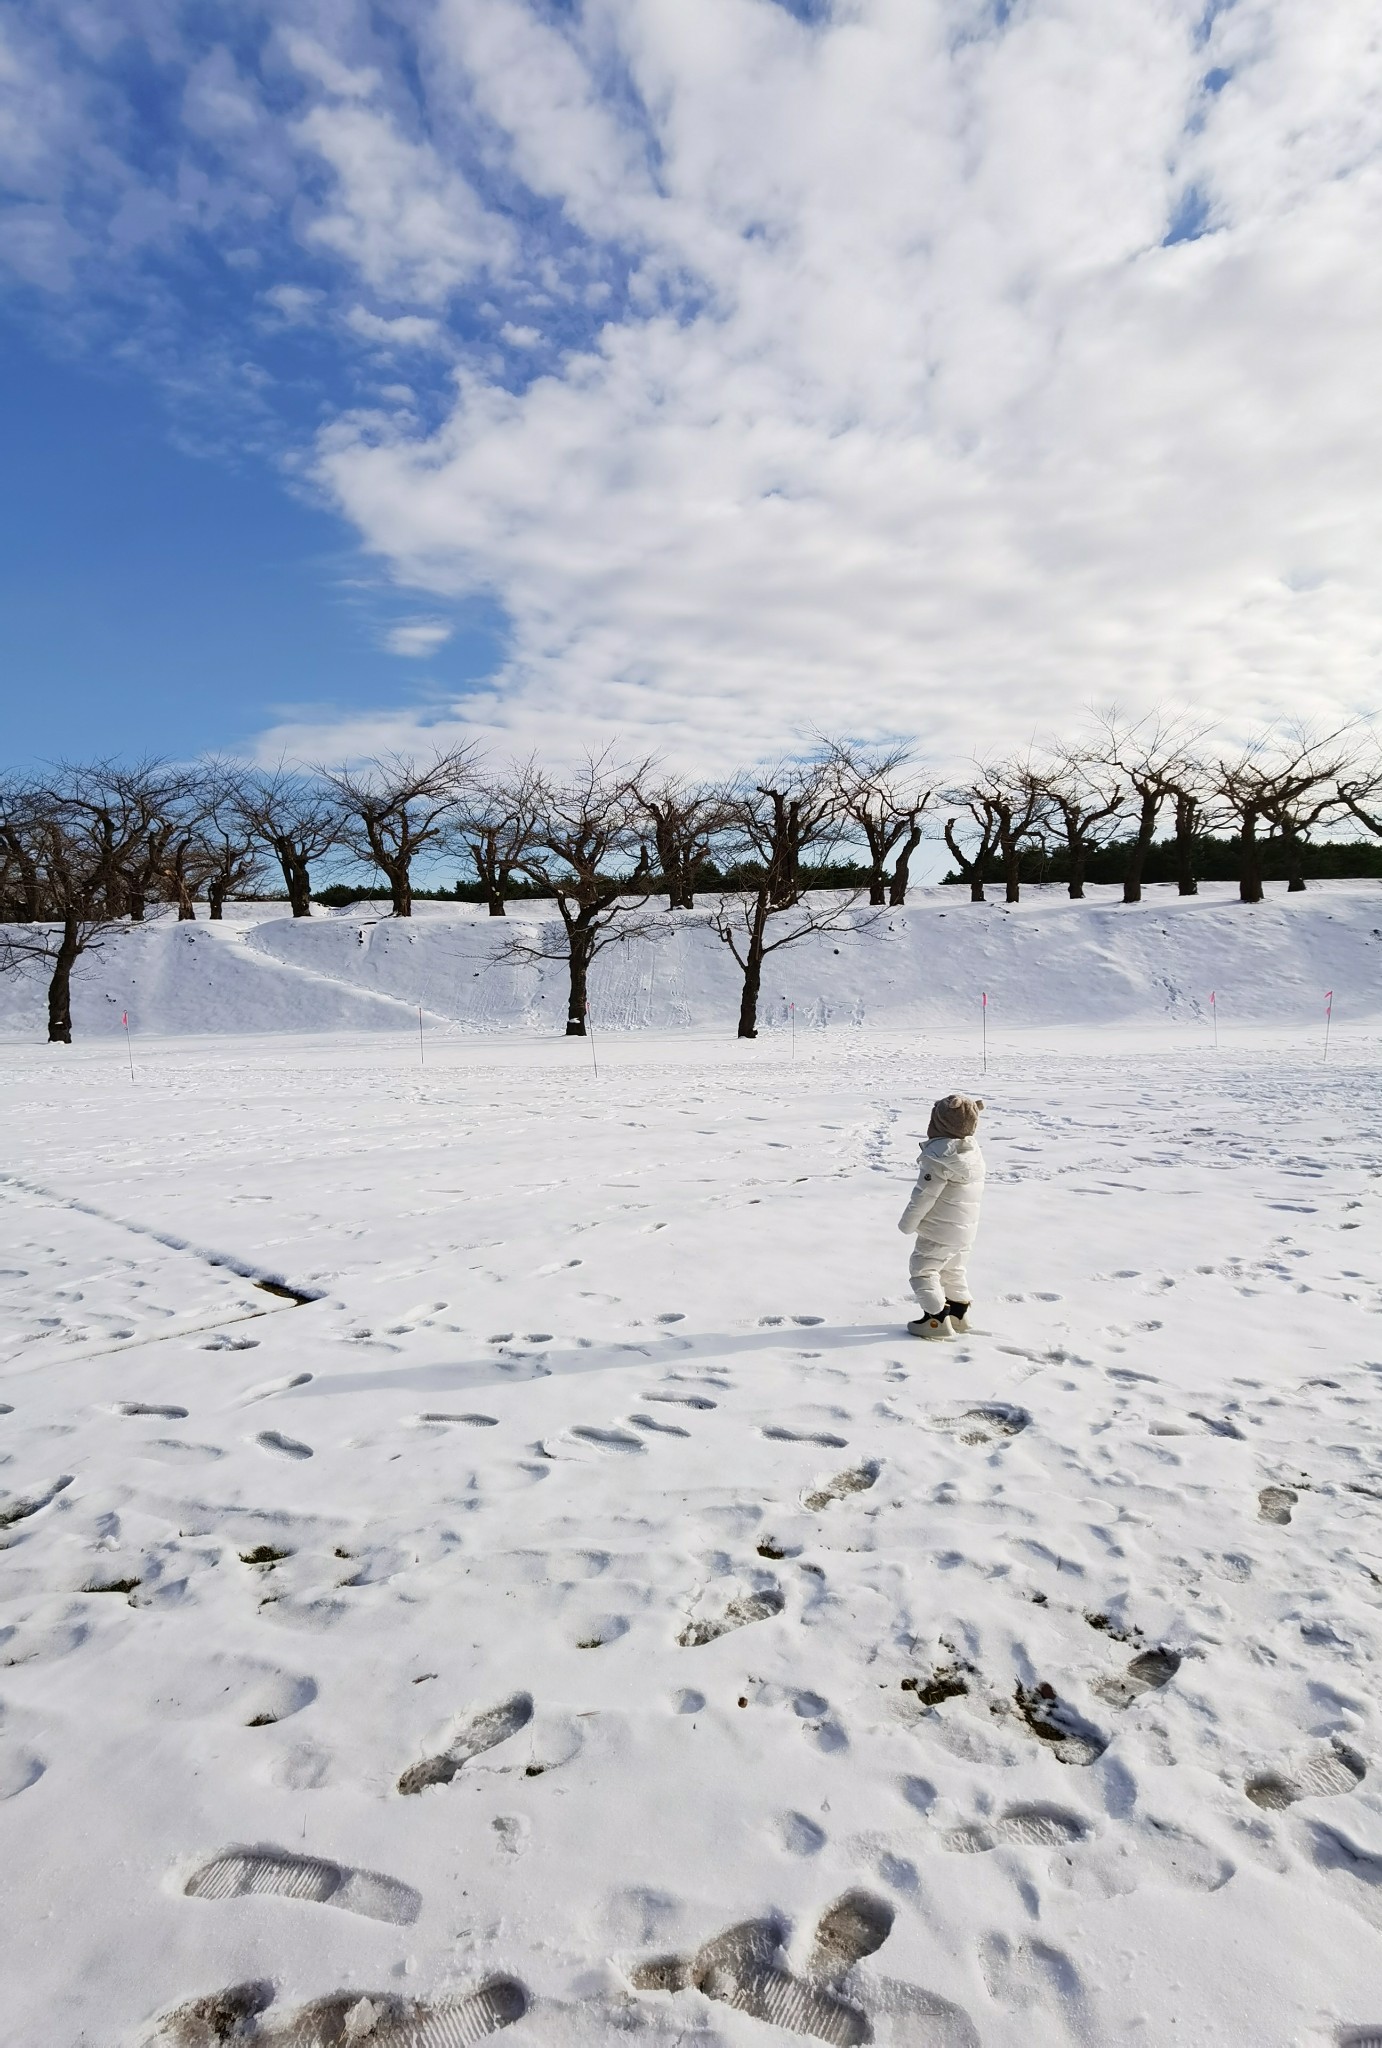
x,y
1046,962
592,1586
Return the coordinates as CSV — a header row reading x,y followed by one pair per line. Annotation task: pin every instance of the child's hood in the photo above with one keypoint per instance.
x,y
950,1158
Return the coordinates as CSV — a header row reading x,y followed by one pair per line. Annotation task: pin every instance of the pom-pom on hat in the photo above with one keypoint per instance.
x,y
955,1116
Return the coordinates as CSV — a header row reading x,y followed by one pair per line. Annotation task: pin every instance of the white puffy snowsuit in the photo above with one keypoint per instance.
x,y
943,1213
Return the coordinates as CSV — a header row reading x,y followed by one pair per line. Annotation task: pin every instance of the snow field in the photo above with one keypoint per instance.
x,y
589,1614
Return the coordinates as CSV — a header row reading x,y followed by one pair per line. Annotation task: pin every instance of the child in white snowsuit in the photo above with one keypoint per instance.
x,y
943,1215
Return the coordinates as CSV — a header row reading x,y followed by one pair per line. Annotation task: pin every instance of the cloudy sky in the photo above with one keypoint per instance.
x,y
702,372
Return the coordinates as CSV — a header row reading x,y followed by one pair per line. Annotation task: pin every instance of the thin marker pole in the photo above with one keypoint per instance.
x,y
984,1015
1328,1015
125,1020
794,1030
421,1055
590,1034
1214,1013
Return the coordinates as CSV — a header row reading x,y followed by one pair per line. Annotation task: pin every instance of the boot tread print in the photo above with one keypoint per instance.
x,y
933,1328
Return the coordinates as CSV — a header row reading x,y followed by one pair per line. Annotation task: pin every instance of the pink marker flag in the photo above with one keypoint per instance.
x,y
125,1019
1329,999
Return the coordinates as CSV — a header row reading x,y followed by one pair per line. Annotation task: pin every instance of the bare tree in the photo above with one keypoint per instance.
x,y
396,809
1190,786
1084,804
885,809
1006,800
1360,790
686,819
233,860
1155,755
585,834
496,824
973,866
69,863
775,820
297,818
1289,778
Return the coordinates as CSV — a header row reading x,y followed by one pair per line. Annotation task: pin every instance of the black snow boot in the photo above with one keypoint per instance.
x,y
934,1328
957,1313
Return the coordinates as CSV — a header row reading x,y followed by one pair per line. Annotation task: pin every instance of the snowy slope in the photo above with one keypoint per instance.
x,y
1046,962
595,1567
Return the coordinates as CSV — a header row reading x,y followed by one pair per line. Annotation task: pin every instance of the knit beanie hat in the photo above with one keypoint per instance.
x,y
955,1116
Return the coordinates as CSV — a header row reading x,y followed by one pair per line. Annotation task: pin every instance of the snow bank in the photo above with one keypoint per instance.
x,y
1046,962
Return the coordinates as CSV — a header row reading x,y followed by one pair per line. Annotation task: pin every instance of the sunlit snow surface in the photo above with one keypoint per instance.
x,y
613,1536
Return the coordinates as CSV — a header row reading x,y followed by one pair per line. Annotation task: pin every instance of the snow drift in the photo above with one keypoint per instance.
x,y
1044,962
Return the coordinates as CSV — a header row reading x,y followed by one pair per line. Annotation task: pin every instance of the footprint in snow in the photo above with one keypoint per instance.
x,y
1320,1774
19,1507
760,1605
1038,1827
1149,1850
699,1401
992,1422
777,1434
1071,1738
474,1421
168,1414
281,1874
857,1480
1274,1504
650,1422
745,1969
282,1446
477,1733
19,1769
240,2014
1148,1671
267,1388
584,1438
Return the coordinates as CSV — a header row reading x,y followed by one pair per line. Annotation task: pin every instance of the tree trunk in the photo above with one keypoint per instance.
x,y
187,909
580,946
215,897
971,870
753,967
1012,885
1186,810
400,891
578,961
1079,853
60,986
1141,846
1249,861
296,878
878,885
137,904
496,906
1295,859
902,867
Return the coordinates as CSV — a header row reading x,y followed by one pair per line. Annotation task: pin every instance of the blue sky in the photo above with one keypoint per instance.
x,y
156,598
559,371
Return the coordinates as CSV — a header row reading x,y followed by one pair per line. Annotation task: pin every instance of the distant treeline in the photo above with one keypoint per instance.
x,y
1215,860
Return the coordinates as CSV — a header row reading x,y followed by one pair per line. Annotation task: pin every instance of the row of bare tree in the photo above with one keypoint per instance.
x,y
88,848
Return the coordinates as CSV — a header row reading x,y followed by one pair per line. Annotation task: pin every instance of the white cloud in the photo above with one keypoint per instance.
x,y
406,330
903,415
950,443
296,303
416,639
